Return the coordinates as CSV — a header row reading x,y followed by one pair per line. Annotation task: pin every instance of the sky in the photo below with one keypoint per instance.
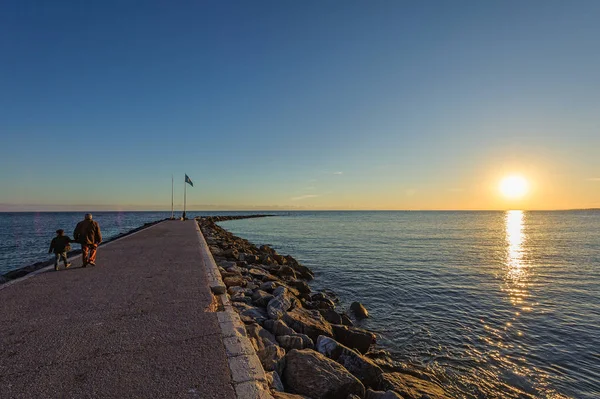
x,y
298,104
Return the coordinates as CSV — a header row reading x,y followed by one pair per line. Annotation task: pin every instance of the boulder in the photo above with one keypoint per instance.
x,y
360,366
280,303
215,250
286,271
307,343
236,290
310,373
325,304
255,314
261,298
286,395
227,264
382,395
272,358
383,359
267,249
410,387
260,337
300,285
302,271
240,297
359,310
234,281
266,260
278,327
353,337
279,259
231,253
289,342
274,381
258,273
346,320
331,316
268,286
309,322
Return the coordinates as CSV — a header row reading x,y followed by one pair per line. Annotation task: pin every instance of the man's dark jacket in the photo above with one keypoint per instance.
x,y
87,232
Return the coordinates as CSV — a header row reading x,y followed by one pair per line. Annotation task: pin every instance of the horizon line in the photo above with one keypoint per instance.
x,y
301,210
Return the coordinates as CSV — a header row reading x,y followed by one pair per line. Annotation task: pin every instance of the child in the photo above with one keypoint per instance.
x,y
60,246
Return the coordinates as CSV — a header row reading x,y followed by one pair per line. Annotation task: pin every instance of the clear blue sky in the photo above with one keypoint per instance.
x,y
336,104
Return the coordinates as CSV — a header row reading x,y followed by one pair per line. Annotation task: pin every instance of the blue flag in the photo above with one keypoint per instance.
x,y
189,181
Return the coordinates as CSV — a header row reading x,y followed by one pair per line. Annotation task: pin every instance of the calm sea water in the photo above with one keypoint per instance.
x,y
491,304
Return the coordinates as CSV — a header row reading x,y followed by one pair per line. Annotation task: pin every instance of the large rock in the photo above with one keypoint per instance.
x,y
260,337
309,322
286,395
359,310
258,273
307,343
331,316
310,373
278,327
231,253
261,298
268,286
272,358
360,366
353,337
302,271
280,304
274,381
250,258
286,271
234,281
289,342
410,387
347,321
255,314
300,285
382,395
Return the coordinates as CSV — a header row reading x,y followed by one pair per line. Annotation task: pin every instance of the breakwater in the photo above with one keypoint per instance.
x,y
306,344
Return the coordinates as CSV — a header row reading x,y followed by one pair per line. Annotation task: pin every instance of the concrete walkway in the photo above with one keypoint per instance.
x,y
136,325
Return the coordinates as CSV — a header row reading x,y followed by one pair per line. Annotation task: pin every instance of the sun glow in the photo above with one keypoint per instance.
x,y
514,187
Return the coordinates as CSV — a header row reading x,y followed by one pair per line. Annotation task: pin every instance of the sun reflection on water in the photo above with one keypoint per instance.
x,y
515,260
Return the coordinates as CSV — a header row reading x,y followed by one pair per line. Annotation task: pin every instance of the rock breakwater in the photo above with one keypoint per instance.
x,y
308,347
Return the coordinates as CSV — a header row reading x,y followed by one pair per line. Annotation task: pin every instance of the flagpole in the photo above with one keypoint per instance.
x,y
184,196
172,188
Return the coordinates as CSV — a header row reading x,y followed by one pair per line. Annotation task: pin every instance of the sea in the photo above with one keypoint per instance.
x,y
499,304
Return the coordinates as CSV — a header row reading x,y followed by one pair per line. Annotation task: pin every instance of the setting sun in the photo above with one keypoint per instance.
x,y
513,187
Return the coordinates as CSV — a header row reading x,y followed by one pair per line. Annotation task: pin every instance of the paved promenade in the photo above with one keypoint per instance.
x,y
135,325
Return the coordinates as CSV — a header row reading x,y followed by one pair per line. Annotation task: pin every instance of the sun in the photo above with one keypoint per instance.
x,y
514,187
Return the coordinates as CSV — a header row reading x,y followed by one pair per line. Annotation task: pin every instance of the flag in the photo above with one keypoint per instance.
x,y
189,181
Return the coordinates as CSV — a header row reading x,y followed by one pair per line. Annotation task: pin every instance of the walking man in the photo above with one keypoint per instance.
x,y
87,233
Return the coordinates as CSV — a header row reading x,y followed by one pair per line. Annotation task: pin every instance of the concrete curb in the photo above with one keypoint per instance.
x,y
69,259
247,374
214,276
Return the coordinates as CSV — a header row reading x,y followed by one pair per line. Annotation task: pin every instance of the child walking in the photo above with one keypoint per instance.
x,y
60,245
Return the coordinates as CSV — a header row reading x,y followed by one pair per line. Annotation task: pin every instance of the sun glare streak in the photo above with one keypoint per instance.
x,y
514,238
516,274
